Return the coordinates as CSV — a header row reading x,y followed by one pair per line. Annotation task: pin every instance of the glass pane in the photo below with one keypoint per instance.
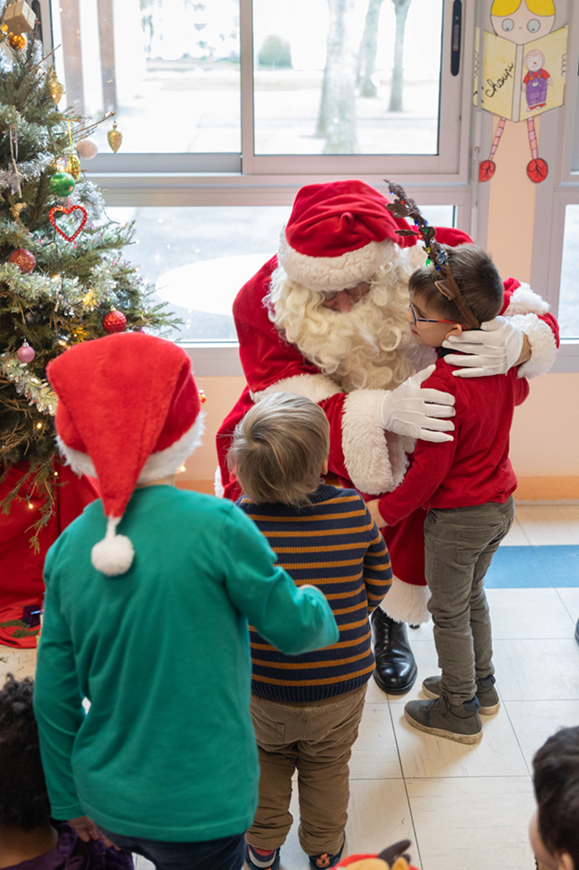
x,y
168,68
342,77
199,258
569,293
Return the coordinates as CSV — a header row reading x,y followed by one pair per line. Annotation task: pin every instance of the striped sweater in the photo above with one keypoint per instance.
x,y
333,544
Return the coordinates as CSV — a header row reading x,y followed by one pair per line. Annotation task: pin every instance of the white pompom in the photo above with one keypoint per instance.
x,y
115,553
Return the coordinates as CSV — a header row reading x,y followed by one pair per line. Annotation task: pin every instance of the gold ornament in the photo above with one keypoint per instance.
x,y
54,86
16,41
114,138
16,209
73,166
19,17
4,28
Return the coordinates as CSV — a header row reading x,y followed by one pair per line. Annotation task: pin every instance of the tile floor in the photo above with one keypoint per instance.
x,y
466,806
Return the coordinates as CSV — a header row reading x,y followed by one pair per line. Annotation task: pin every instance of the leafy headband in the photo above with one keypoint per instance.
x,y
405,207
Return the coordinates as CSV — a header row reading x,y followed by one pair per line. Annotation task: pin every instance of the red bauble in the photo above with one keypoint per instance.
x,y
114,321
25,260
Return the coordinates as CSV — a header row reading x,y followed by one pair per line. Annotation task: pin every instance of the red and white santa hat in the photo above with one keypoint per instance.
x,y
128,412
339,234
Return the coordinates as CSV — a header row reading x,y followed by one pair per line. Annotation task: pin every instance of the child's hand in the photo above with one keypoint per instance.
x,y
87,830
375,512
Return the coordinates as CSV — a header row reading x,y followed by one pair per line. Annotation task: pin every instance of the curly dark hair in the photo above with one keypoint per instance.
x,y
556,781
23,797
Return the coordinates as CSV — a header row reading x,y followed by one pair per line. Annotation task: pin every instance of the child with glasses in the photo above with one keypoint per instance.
x,y
466,484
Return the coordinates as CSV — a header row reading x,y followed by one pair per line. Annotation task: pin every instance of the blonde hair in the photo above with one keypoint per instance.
x,y
536,7
279,448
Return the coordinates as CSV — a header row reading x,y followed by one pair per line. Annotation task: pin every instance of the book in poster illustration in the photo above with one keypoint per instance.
x,y
522,71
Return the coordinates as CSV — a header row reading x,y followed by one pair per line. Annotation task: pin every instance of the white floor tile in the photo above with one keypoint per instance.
x,y
423,755
379,815
516,537
473,823
534,721
529,613
18,662
570,598
528,670
549,524
522,613
375,755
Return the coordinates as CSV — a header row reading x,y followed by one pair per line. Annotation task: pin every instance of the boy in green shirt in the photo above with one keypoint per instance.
x,y
151,625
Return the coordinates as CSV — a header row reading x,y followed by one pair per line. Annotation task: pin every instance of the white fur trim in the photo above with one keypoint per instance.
x,y
114,554
218,484
167,461
543,345
314,387
159,464
374,458
416,256
406,602
525,301
327,274
81,463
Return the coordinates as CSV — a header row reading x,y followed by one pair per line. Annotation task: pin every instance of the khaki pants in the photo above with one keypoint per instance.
x,y
317,740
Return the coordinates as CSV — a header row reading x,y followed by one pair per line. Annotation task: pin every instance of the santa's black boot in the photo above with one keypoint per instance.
x,y
395,670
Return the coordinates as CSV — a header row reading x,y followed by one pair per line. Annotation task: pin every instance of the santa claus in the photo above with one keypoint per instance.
x,y
326,319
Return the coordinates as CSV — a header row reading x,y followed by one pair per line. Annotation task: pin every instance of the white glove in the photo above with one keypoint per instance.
x,y
409,410
494,349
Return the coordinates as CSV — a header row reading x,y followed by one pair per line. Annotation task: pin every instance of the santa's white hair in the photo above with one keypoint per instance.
x,y
369,347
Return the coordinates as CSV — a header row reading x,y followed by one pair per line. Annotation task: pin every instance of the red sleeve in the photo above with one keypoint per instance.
x,y
430,466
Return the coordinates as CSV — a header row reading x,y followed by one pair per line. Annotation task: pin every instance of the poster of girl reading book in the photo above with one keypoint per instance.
x,y
523,72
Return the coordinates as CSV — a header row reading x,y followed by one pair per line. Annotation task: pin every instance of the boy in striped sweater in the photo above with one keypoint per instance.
x,y
306,709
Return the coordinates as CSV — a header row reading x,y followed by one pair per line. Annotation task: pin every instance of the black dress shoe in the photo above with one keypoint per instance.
x,y
395,670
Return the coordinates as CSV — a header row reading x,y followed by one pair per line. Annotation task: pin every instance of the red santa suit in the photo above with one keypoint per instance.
x,y
338,235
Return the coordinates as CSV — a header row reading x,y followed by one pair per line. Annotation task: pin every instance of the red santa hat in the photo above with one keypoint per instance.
x,y
128,412
339,234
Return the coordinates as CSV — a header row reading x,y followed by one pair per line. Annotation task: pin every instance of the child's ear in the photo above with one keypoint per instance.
x,y
566,861
456,330
325,467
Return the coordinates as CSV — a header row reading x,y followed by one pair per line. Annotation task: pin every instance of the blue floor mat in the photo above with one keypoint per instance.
x,y
534,567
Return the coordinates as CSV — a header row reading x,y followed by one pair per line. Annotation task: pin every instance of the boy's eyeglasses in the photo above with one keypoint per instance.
x,y
416,319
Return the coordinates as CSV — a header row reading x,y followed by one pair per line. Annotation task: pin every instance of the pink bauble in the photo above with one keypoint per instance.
x,y
114,321
87,149
25,353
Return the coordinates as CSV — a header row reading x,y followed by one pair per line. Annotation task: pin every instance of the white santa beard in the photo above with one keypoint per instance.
x,y
368,347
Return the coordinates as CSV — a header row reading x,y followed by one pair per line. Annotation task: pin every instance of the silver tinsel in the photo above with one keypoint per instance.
x,y
26,171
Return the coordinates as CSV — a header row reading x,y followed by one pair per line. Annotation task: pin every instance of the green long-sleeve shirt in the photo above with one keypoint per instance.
x,y
167,749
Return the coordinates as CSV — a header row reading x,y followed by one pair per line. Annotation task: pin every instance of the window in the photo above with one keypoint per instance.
x,y
242,86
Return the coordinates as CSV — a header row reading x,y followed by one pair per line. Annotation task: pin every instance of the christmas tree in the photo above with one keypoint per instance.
x,y
62,276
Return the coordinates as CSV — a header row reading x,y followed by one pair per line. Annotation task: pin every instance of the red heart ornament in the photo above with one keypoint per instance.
x,y
68,210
